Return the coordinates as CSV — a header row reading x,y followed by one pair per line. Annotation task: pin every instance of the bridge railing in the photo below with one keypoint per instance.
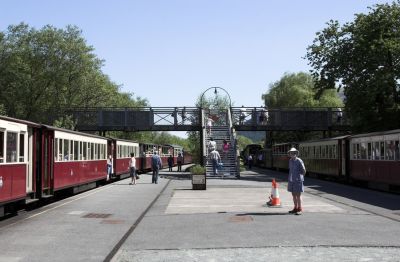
x,y
190,118
316,118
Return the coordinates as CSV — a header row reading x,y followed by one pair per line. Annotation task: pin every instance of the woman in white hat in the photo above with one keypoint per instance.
x,y
295,180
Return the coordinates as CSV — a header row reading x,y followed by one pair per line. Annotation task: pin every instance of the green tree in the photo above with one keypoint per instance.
x,y
43,72
363,58
297,90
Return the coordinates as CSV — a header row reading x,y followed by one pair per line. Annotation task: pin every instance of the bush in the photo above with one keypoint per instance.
x,y
198,170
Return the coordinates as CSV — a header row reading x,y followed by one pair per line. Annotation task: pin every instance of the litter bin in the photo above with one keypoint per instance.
x,y
199,182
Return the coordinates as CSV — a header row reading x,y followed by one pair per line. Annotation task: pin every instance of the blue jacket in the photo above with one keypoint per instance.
x,y
297,170
156,162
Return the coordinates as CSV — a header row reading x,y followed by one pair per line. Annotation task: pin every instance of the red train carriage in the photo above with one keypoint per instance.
x,y
72,160
280,157
121,150
18,163
175,150
146,151
375,159
326,157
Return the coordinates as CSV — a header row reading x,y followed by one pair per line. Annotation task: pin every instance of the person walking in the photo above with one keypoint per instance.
x,y
109,167
297,171
170,163
211,145
215,158
225,149
132,169
156,166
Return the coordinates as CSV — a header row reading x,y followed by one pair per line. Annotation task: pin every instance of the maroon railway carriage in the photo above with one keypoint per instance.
x,y
18,163
327,157
375,159
280,157
72,160
120,151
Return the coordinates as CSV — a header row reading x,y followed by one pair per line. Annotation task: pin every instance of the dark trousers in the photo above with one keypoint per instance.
x,y
155,176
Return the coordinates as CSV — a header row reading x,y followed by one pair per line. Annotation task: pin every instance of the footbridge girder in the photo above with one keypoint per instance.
x,y
189,119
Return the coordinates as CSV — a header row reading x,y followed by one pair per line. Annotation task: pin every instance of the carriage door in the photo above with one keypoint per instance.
x,y
48,163
29,155
343,154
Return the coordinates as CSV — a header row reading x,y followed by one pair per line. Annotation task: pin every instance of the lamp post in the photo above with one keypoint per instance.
x,y
216,88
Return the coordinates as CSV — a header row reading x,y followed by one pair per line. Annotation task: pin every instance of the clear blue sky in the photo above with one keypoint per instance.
x,y
170,51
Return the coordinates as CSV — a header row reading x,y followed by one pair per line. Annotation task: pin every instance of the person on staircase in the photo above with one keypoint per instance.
x,y
225,150
215,158
211,145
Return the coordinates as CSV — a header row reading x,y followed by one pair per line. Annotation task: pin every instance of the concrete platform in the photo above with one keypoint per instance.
x,y
227,222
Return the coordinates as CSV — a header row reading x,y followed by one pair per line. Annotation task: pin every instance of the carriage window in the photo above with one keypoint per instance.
x,y
55,151
76,150
60,151
11,149
21,147
358,151
363,150
397,150
66,150
369,151
377,151
1,147
84,152
334,152
382,150
390,148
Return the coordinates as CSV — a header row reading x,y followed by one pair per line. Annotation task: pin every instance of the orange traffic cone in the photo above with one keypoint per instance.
x,y
274,200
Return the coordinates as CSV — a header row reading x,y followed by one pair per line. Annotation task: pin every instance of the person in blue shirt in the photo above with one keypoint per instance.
x,y
156,165
297,171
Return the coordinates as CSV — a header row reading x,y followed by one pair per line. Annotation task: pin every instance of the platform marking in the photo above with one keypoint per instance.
x,y
214,200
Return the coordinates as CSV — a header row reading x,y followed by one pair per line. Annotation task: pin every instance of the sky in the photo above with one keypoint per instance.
x,y
171,51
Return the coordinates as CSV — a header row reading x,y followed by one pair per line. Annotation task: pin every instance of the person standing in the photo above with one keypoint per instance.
x,y
297,171
156,166
250,161
170,163
132,169
216,158
109,167
179,161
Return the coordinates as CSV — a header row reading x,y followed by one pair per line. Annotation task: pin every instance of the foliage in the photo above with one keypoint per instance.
x,y
362,58
297,90
2,110
243,141
45,71
198,170
66,121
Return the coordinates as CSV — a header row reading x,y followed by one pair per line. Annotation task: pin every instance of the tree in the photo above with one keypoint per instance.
x,y
297,90
362,58
43,72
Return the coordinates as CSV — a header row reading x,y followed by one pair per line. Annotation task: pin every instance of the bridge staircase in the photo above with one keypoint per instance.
x,y
221,130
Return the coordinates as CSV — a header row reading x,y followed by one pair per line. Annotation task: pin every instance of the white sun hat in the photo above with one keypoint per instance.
x,y
293,149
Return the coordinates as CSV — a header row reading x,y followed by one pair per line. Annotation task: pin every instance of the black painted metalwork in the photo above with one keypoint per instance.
x,y
189,119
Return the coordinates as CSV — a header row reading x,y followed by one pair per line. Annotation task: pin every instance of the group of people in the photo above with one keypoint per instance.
x,y
156,165
262,116
215,156
179,161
